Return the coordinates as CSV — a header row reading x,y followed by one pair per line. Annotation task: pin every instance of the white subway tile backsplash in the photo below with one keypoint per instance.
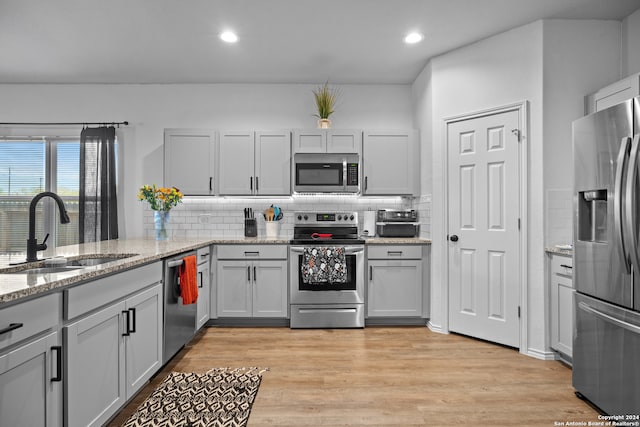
x,y
221,216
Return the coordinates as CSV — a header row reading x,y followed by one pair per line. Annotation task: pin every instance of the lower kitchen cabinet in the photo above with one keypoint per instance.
x,y
204,287
31,357
252,287
30,383
395,281
561,299
114,350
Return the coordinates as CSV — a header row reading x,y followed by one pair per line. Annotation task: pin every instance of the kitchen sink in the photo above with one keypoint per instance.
x,y
75,263
91,260
48,269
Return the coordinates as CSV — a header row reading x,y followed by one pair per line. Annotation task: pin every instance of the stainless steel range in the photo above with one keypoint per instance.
x,y
326,271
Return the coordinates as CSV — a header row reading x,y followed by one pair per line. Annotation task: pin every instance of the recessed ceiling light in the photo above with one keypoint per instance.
x,y
229,37
412,38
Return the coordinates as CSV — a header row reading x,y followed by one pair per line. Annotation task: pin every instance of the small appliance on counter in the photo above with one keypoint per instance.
x,y
369,223
397,223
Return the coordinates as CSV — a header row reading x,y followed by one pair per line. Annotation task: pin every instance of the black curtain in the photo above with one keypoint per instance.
x,y
98,204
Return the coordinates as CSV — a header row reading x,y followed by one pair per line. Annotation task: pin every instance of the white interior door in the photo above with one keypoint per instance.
x,y
483,217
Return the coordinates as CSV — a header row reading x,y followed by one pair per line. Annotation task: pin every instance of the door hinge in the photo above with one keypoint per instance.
x,y
518,312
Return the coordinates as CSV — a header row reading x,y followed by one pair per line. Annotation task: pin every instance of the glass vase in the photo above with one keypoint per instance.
x,y
161,221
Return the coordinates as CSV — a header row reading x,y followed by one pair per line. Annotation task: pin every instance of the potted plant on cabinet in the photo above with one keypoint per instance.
x,y
326,98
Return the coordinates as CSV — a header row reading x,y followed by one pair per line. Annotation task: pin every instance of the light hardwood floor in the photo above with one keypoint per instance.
x,y
384,376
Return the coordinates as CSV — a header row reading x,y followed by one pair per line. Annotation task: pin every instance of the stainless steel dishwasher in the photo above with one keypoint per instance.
x,y
179,319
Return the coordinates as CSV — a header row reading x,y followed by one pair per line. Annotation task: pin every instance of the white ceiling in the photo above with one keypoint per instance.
x,y
280,41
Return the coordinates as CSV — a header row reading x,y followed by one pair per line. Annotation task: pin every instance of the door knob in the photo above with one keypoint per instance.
x,y
453,238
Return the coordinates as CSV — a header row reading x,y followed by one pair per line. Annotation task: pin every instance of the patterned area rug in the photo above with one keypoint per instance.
x,y
219,397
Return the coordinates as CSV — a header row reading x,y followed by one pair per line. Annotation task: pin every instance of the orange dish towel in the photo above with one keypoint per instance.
x,y
189,280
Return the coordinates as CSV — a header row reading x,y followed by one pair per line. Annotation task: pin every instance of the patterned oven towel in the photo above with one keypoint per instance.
x,y
324,264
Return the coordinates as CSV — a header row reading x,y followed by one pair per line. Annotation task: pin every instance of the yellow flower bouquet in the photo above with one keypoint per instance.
x,y
161,198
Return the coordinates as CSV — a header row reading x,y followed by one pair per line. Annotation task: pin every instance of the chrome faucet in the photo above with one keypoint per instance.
x,y
32,243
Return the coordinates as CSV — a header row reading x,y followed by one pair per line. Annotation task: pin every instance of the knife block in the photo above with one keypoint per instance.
x,y
250,227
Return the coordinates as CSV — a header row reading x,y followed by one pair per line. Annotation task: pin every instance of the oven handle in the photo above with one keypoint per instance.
x,y
347,249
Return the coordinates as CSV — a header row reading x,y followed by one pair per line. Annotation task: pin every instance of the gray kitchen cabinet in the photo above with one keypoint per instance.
x,y
255,163
390,163
113,342
561,299
252,281
327,141
31,363
204,286
395,281
613,94
189,160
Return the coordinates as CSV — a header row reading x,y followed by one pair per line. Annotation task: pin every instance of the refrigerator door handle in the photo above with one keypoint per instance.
x,y
630,202
621,323
617,199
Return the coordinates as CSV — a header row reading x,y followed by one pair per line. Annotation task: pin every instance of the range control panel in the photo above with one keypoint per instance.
x,y
326,218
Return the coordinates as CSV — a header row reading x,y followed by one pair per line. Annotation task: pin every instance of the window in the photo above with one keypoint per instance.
x,y
29,166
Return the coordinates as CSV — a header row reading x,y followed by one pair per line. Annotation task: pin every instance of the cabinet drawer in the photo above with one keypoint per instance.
x,y
392,252
252,251
89,296
35,316
203,254
562,265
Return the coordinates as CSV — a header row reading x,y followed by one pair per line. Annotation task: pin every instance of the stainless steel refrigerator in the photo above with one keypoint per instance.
x,y
606,260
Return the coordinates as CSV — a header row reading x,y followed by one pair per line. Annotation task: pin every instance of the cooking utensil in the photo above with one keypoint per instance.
x,y
269,214
321,235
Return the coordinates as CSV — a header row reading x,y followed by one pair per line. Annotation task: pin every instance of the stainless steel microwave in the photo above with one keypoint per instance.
x,y
326,173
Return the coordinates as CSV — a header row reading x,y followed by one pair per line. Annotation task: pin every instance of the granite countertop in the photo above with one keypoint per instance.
x,y
559,250
15,287
396,241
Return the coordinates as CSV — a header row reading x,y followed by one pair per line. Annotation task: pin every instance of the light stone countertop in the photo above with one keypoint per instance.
x,y
396,241
15,287
554,250
19,286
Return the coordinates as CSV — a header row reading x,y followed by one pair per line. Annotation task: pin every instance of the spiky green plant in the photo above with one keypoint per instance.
x,y
326,98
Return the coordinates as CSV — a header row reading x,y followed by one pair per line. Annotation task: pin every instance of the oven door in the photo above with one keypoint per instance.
x,y
351,291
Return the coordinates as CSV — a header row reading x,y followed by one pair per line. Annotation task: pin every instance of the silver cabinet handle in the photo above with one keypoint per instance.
x,y
626,325
251,253
248,273
617,198
255,276
394,253
370,273
257,187
566,266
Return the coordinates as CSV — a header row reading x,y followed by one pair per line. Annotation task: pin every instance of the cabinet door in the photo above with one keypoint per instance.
x,y
310,141
273,163
95,367
344,141
390,163
30,396
189,159
236,163
234,288
144,343
270,287
617,92
562,314
204,287
395,288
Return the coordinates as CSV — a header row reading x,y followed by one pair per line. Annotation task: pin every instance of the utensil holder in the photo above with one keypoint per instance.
x,y
272,228
250,227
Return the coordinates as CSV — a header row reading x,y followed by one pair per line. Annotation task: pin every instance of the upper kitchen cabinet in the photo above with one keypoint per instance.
x,y
390,163
327,141
613,94
189,160
255,163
